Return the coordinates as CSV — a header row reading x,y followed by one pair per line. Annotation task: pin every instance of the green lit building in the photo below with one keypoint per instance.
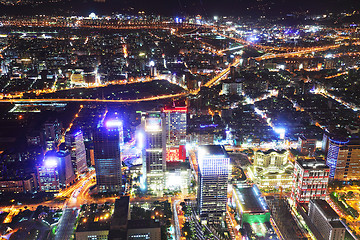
x,y
250,205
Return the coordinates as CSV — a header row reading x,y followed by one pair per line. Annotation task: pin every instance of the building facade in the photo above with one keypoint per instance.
x,y
155,151
307,146
176,123
107,156
56,172
271,158
213,162
75,143
27,184
311,179
343,158
326,220
51,134
272,169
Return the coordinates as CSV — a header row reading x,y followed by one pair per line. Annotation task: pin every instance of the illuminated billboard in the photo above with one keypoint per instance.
x,y
172,154
175,154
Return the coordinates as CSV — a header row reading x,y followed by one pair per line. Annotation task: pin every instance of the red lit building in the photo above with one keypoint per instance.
x,y
175,132
311,179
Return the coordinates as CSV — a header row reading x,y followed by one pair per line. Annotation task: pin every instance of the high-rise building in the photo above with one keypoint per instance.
x,y
56,171
343,158
51,133
311,179
326,220
107,154
213,162
175,125
175,133
75,143
307,146
155,151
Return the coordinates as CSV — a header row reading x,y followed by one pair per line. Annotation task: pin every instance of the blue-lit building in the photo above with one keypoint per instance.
x,y
154,159
56,171
107,154
333,153
213,162
343,158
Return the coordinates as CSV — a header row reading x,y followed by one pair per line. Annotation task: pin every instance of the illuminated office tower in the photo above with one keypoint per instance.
x,y
175,133
213,162
107,153
343,158
155,151
311,179
75,143
56,171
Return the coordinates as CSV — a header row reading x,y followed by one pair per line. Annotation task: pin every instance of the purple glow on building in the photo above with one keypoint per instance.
x,y
113,124
51,162
209,125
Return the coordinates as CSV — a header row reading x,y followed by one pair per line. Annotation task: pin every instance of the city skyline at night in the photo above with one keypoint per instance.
x,y
182,120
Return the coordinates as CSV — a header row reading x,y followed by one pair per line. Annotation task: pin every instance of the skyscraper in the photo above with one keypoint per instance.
x,y
343,158
107,154
155,151
175,132
213,175
75,143
175,125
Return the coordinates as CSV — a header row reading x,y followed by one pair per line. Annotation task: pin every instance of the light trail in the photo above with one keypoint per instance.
x,y
176,220
95,100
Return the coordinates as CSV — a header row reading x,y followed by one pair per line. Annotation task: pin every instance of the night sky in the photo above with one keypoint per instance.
x,y
187,7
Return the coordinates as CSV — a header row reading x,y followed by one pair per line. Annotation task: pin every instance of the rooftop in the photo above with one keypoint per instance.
x,y
251,200
336,224
326,208
121,212
209,150
312,164
272,150
138,224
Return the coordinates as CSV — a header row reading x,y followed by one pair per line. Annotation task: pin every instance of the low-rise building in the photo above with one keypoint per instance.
x,y
18,185
272,169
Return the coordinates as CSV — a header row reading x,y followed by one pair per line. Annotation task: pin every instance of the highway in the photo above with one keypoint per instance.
x,y
66,224
44,100
176,220
222,74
